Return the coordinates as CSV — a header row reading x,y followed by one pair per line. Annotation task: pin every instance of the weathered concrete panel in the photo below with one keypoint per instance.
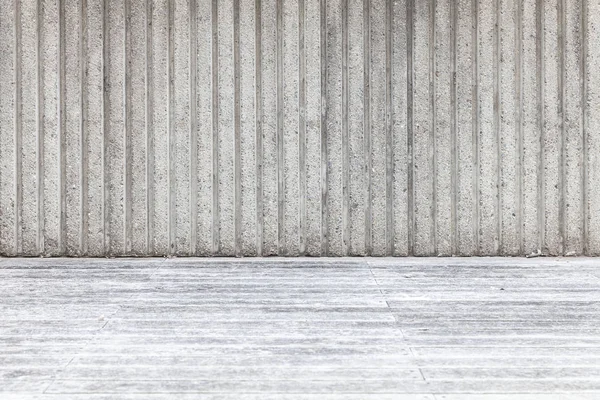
x,y
312,127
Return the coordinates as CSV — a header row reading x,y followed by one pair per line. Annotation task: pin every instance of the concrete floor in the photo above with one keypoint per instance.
x,y
435,329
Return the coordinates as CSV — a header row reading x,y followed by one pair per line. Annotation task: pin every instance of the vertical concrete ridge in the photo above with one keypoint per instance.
x,y
367,126
216,240
40,132
410,124
281,245
519,98
62,120
290,123
259,127
454,234
399,128
476,126
83,130
149,128
540,96
302,125
8,124
237,209
345,135
389,170
562,95
248,128
592,59
498,245
584,126
433,121
18,132
172,210
324,156
193,88
105,119
127,131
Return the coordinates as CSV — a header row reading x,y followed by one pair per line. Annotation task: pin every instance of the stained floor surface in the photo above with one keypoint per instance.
x,y
423,329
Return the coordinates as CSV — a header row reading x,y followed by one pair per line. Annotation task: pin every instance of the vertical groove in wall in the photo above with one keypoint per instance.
x,y
215,127
454,234
128,154
584,125
105,105
389,230
281,246
475,122
83,130
409,124
62,186
237,209
302,124
433,123
562,93
40,133
519,119
149,105
171,126
18,131
498,245
540,97
345,137
367,127
259,125
324,158
193,167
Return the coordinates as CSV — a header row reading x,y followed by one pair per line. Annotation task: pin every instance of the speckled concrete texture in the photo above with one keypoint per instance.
x,y
311,127
492,328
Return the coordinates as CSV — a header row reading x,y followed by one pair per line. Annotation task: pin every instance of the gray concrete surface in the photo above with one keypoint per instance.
x,y
414,328
312,127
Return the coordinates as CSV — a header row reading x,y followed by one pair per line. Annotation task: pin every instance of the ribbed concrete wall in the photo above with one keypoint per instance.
x,y
319,127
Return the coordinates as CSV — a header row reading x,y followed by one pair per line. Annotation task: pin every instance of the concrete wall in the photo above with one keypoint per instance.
x,y
319,127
